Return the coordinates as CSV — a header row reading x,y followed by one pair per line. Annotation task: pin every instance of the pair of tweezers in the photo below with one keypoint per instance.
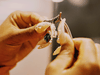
x,y
58,19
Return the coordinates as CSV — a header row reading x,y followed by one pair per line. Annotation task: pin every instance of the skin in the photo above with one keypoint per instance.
x,y
18,38
87,61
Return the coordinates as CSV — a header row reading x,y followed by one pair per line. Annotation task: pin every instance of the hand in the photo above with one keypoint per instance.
x,y
18,37
88,60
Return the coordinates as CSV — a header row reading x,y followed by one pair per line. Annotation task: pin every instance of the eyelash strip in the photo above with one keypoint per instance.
x,y
47,40
55,20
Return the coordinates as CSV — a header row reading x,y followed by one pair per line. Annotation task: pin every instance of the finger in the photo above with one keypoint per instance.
x,y
63,37
61,32
87,50
32,17
98,53
36,32
63,60
18,21
41,27
86,58
65,57
26,19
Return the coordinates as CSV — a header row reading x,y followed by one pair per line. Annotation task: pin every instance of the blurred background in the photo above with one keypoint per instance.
x,y
35,63
82,16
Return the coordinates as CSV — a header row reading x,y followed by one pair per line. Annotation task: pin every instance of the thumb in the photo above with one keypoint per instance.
x,y
65,57
41,27
35,32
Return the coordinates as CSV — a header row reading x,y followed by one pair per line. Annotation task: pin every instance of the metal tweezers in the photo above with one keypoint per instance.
x,y
58,19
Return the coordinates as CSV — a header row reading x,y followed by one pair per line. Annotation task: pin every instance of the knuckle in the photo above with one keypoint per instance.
x,y
14,15
15,12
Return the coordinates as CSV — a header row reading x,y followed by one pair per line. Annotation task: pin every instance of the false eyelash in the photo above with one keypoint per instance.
x,y
47,40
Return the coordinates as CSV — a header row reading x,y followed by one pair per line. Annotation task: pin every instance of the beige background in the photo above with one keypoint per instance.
x,y
35,63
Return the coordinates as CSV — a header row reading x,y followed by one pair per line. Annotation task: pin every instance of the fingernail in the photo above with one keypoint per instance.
x,y
42,42
57,51
44,45
41,27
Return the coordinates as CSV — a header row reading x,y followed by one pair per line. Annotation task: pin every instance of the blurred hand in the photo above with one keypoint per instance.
x,y
88,60
18,37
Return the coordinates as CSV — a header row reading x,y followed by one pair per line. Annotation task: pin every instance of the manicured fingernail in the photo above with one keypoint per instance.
x,y
57,51
41,27
44,45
